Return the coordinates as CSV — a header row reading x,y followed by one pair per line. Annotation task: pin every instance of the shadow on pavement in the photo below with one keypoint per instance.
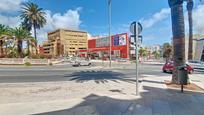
x,y
99,76
153,101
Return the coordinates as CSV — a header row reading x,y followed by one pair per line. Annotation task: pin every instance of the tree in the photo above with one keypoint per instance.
x,y
20,35
30,44
156,54
4,34
12,52
178,30
142,52
190,20
33,16
167,51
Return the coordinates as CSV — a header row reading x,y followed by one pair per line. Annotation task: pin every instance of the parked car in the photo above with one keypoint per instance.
x,y
81,62
168,67
196,64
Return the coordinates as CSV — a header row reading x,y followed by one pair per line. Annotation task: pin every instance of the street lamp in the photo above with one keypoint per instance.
x,y
109,10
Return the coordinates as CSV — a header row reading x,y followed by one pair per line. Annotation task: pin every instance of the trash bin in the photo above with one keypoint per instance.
x,y
183,75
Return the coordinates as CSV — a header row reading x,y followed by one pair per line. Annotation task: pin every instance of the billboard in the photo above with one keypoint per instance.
x,y
101,42
120,40
117,40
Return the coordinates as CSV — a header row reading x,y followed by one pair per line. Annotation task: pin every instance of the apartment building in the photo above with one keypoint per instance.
x,y
63,42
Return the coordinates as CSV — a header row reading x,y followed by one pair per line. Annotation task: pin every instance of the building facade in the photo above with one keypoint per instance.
x,y
100,47
198,47
63,42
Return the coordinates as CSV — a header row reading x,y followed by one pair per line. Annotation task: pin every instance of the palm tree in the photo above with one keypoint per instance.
x,y
178,30
167,51
30,45
33,16
156,54
142,52
190,20
20,35
4,34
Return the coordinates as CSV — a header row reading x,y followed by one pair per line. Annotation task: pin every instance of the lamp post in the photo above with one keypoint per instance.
x,y
109,11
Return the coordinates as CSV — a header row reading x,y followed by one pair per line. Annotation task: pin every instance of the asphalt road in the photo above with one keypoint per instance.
x,y
67,73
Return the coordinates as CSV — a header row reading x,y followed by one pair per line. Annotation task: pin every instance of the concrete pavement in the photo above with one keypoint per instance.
x,y
154,99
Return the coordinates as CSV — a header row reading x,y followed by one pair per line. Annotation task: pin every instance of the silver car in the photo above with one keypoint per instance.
x,y
81,62
196,64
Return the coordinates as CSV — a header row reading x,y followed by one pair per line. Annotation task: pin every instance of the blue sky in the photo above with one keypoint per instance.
x,y
92,16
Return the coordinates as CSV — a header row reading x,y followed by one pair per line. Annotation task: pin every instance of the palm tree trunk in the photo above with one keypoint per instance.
x,y
6,50
1,48
190,20
178,30
28,47
35,34
19,49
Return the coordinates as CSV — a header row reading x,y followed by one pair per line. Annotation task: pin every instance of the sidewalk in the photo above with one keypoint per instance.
x,y
154,99
198,78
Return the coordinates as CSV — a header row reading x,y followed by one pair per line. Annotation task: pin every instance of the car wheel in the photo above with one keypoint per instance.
x,y
164,71
89,64
191,72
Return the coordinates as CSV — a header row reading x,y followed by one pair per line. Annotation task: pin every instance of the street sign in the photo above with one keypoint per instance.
x,y
136,29
133,25
133,40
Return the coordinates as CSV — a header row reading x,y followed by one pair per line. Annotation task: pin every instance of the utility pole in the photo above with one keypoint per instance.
x,y
109,11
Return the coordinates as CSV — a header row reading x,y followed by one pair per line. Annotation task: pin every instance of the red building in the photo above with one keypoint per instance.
x,y
100,47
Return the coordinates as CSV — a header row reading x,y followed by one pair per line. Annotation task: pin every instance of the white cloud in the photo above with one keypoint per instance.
x,y
8,6
68,20
157,17
198,16
10,20
89,36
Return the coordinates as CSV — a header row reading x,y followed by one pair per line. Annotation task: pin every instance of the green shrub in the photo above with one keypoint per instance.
x,y
28,64
51,64
35,57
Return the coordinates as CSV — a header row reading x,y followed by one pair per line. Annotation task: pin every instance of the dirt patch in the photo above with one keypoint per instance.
x,y
189,87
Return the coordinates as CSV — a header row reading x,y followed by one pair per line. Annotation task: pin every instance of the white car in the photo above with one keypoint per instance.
x,y
196,64
81,62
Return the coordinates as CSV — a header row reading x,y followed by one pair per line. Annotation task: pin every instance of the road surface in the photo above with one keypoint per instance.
x,y
67,72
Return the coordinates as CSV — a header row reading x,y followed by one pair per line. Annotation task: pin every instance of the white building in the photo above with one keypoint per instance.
x,y
198,47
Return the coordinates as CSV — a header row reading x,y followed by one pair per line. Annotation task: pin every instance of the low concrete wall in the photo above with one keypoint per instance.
x,y
22,61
